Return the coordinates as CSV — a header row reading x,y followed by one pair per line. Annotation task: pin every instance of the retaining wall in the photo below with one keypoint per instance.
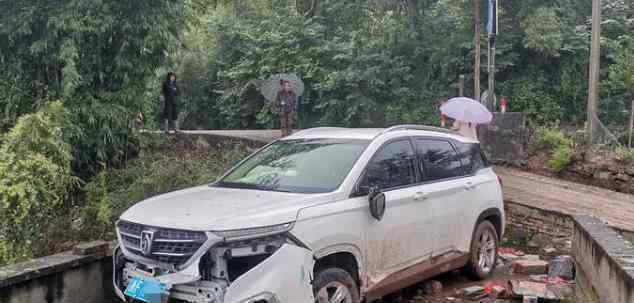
x,y
605,263
83,275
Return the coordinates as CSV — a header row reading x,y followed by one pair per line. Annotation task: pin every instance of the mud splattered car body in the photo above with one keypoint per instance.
x,y
326,214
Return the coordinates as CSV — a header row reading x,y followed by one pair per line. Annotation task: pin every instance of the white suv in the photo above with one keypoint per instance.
x,y
326,215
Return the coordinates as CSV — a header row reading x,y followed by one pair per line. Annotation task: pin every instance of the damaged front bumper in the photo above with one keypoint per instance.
x,y
259,275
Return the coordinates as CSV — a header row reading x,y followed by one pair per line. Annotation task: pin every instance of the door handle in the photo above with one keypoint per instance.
x,y
469,186
420,196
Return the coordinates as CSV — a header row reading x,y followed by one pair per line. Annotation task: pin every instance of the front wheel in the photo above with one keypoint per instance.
x,y
335,285
484,246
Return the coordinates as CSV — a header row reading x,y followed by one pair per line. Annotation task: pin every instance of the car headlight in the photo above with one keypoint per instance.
x,y
257,232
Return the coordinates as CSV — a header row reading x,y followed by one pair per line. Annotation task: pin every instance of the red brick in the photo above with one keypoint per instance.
x,y
528,267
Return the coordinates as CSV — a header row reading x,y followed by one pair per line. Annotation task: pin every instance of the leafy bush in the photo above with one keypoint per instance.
x,y
159,169
561,147
550,138
561,157
624,154
35,179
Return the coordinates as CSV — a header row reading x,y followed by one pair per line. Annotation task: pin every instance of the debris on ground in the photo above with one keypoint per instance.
x,y
531,257
508,254
473,292
542,291
562,267
529,267
548,280
550,251
432,287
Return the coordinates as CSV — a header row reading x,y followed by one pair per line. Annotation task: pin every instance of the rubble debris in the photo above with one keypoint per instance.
x,y
548,280
499,290
533,244
549,251
508,254
432,287
473,292
511,251
531,257
529,267
540,290
562,267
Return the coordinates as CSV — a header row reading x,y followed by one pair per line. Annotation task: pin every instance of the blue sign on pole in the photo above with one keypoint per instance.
x,y
492,18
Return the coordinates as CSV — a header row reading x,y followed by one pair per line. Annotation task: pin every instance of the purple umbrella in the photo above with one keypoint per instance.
x,y
467,110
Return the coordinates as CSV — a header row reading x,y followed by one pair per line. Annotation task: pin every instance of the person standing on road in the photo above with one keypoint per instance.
x,y
170,94
286,103
466,129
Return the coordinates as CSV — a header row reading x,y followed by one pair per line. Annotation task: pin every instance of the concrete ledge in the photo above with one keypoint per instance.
x,y
36,268
605,263
80,275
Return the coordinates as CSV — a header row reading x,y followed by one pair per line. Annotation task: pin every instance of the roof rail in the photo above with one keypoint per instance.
x,y
417,127
309,130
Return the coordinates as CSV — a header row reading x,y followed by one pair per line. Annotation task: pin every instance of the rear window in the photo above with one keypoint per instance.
x,y
439,159
471,157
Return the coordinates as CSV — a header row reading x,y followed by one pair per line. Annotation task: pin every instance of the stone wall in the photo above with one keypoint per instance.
x,y
81,275
538,221
604,263
504,139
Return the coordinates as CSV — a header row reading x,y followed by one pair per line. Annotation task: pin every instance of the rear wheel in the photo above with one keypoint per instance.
x,y
484,246
335,285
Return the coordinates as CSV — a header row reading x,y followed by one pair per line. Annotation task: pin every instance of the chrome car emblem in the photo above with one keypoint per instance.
x,y
147,237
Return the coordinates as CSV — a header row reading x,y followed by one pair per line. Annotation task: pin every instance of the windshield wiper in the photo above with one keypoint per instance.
x,y
250,186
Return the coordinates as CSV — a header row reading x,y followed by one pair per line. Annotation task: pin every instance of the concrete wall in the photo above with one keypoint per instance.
x,y
83,275
605,263
503,140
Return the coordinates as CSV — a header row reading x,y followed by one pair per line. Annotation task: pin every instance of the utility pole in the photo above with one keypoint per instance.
x,y
491,73
593,79
461,85
476,68
631,123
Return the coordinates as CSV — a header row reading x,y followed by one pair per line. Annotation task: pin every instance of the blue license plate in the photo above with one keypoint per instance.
x,y
145,289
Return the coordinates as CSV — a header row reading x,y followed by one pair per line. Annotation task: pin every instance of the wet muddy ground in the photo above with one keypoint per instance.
x,y
456,281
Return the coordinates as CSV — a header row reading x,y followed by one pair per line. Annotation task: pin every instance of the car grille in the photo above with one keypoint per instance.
x,y
169,246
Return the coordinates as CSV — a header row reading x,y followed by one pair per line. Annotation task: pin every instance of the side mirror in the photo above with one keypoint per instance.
x,y
377,203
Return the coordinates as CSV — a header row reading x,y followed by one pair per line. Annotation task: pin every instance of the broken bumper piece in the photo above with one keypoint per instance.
x,y
284,277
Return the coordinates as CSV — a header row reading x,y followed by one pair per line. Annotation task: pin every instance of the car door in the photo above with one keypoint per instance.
x,y
479,185
393,242
443,191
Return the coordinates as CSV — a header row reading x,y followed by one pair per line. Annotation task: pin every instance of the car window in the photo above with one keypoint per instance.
x,y
300,166
471,157
439,159
392,166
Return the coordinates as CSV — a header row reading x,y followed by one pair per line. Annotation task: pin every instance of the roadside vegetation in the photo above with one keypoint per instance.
x,y
75,76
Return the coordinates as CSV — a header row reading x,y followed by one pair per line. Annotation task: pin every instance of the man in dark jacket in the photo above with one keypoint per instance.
x,y
286,102
170,94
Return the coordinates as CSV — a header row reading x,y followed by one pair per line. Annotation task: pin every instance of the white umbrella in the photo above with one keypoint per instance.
x,y
272,86
467,110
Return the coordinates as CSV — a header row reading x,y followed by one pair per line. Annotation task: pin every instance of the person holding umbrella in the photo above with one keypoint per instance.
x,y
286,103
465,129
467,113
283,91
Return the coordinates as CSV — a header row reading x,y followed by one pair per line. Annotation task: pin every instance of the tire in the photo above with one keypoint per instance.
x,y
335,285
482,263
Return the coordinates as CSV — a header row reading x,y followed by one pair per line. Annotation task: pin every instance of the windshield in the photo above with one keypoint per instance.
x,y
300,166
